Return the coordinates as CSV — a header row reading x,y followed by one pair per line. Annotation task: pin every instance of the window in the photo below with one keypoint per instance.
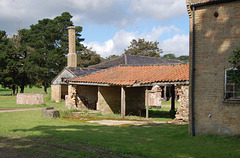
x,y
232,91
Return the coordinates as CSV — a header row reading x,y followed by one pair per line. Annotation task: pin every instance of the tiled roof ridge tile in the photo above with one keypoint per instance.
x,y
153,57
162,64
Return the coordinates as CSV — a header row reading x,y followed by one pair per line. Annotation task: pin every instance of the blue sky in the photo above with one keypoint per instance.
x,y
108,25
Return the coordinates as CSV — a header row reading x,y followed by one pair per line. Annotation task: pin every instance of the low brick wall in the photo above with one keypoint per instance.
x,y
27,98
183,109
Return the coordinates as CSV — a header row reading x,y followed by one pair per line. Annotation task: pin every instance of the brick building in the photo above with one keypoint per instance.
x,y
214,35
59,87
125,89
110,96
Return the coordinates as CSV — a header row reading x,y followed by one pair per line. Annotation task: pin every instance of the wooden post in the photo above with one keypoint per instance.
x,y
146,102
165,93
172,111
123,102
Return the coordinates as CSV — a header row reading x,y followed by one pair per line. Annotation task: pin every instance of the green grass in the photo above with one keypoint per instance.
x,y
169,103
30,134
8,92
8,101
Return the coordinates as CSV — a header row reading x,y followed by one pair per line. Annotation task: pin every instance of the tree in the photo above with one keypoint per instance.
x,y
169,56
110,57
11,59
144,48
47,48
88,57
184,58
234,60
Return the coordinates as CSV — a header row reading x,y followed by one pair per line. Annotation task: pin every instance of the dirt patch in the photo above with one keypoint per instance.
x,y
17,109
123,122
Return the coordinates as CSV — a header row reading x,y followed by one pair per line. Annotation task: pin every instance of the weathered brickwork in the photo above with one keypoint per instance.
x,y
81,97
109,100
216,38
56,93
26,98
154,97
135,100
71,99
183,109
87,97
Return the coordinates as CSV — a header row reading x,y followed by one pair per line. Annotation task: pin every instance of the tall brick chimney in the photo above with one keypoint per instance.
x,y
72,56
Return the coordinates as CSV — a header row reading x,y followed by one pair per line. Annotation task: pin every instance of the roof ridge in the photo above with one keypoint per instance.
x,y
163,64
107,61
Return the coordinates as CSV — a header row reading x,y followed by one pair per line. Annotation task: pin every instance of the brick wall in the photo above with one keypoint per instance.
x,y
109,100
81,97
216,38
135,100
87,97
183,109
56,93
25,98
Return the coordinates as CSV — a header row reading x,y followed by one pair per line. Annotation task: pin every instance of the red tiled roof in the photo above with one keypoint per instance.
x,y
129,75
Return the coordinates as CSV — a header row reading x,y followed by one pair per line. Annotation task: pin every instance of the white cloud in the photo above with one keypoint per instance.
x,y
115,13
112,13
159,9
177,45
159,31
116,45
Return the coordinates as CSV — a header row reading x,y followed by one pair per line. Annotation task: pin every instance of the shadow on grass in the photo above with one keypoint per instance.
x,y
5,92
24,147
96,141
85,140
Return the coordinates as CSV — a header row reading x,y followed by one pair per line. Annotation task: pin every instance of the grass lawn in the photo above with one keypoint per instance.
x,y
28,134
9,101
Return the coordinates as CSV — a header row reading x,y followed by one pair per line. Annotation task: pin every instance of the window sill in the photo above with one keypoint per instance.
x,y
230,101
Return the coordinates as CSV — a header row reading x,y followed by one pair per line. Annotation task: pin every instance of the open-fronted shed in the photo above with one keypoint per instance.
x,y
124,88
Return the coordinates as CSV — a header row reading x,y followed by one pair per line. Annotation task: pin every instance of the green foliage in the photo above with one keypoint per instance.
x,y
35,56
110,57
88,57
47,47
12,56
234,60
67,112
184,58
144,48
169,56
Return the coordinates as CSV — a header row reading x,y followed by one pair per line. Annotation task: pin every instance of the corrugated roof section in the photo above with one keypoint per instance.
x,y
129,75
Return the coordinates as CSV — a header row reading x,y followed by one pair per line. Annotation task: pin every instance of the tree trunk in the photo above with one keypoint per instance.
x,y
22,89
45,89
13,90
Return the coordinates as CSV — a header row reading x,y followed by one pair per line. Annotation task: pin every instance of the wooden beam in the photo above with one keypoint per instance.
x,y
146,101
165,93
123,102
172,111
